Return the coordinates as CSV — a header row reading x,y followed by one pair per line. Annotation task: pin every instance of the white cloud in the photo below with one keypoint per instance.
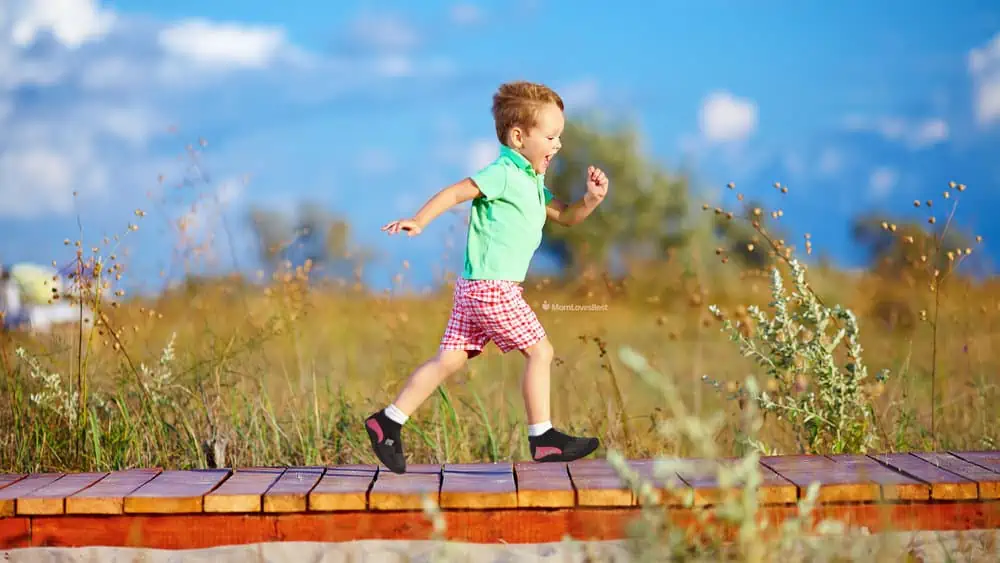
x,y
580,94
36,180
984,67
223,44
105,90
882,181
466,14
830,161
724,117
375,162
481,152
71,22
914,133
930,132
200,225
386,32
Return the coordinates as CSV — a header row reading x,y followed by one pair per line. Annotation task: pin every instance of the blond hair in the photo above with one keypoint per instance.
x,y
516,104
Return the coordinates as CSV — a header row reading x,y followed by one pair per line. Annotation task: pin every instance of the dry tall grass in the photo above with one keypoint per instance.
x,y
231,373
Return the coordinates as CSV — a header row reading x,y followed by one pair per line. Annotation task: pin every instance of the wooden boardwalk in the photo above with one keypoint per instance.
x,y
515,503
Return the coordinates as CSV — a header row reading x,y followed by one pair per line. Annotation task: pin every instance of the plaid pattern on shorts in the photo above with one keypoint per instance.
x,y
486,310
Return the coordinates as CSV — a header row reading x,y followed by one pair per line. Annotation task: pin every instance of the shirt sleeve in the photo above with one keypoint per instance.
x,y
548,195
491,180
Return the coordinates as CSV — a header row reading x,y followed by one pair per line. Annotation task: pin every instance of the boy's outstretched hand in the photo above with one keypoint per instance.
x,y
403,225
597,185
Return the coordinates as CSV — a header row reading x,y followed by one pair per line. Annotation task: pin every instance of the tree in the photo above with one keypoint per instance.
x,y
907,250
740,239
312,235
643,215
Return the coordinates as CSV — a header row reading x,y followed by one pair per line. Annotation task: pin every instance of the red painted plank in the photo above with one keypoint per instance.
x,y
15,532
189,531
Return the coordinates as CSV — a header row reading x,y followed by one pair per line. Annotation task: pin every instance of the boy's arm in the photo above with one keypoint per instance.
x,y
459,192
569,215
455,194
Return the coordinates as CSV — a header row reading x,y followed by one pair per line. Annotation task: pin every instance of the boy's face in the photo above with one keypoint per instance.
x,y
540,143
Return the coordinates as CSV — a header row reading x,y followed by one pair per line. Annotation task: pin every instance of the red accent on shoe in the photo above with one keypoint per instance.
x,y
376,428
545,451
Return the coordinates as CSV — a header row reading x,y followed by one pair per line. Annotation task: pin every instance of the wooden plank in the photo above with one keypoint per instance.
x,y
175,491
667,489
10,478
51,498
107,496
702,476
893,484
544,485
343,487
21,487
243,491
193,531
478,485
987,481
15,532
392,491
291,492
598,484
944,484
838,482
989,460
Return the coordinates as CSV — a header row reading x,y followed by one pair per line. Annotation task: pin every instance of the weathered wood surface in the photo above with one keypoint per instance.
x,y
513,502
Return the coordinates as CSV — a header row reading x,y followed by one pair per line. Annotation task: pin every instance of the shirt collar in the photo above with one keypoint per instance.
x,y
518,160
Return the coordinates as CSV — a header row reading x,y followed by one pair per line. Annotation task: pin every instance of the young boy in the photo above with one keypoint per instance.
x,y
510,204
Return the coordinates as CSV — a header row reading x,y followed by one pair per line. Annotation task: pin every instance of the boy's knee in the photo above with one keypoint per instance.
x,y
540,351
452,360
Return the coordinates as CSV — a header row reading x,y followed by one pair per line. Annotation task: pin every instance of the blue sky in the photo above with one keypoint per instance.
x,y
368,108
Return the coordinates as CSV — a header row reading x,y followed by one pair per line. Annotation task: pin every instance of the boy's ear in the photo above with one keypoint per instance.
x,y
516,137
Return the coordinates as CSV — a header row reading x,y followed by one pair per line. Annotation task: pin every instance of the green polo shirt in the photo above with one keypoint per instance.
x,y
505,227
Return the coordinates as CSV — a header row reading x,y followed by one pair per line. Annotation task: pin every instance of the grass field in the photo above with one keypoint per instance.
x,y
279,375
224,372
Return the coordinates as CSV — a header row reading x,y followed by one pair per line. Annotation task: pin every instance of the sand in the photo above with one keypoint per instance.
x,y
926,547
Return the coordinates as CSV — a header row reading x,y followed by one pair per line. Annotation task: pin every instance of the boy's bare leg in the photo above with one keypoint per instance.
x,y
426,378
385,425
536,382
547,443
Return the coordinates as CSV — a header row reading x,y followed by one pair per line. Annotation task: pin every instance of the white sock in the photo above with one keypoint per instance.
x,y
539,429
393,413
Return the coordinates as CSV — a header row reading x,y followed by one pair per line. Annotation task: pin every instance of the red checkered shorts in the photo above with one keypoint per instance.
x,y
486,310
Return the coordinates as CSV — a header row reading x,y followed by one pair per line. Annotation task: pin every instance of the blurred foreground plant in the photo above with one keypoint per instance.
x,y
820,395
735,528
